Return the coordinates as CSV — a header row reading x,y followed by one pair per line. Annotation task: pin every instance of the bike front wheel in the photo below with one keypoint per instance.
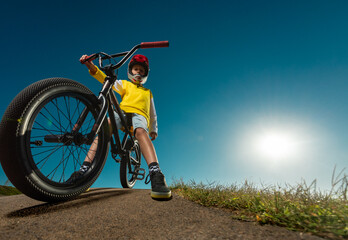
x,y
38,151
130,166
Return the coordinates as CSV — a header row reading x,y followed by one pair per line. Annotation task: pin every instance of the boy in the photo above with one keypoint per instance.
x,y
137,100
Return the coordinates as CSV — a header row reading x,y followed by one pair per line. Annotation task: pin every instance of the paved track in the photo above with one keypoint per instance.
x,y
126,214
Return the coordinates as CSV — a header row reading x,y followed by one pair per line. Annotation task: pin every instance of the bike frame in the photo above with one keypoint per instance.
x,y
108,100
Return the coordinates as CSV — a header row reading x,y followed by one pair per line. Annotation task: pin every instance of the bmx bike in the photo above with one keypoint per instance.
x,y
48,128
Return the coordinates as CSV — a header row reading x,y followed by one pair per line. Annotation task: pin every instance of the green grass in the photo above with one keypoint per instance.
x,y
7,190
299,208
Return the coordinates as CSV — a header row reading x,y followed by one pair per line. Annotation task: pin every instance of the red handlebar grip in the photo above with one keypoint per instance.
x,y
154,44
89,58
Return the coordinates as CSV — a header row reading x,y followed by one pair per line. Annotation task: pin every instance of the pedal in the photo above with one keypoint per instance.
x,y
140,173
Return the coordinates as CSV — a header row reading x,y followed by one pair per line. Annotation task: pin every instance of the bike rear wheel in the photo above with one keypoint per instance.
x,y
38,166
130,166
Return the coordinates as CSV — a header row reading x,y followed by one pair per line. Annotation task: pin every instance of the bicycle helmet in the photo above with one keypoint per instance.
x,y
142,61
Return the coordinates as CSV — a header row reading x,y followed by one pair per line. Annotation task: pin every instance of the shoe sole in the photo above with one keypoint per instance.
x,y
162,195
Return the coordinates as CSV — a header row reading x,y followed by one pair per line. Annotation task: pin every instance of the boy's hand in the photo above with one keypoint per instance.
x,y
89,64
83,58
153,136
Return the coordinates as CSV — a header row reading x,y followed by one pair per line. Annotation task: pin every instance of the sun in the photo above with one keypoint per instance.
x,y
268,143
276,145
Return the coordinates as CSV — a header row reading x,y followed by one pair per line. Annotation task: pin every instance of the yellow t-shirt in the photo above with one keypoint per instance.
x,y
135,98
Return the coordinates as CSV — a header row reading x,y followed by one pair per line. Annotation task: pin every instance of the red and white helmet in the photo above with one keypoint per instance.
x,y
142,61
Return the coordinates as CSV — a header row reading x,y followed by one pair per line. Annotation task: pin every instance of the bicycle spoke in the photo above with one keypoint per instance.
x,y
59,110
38,147
43,128
68,111
47,157
56,168
55,149
86,151
76,108
64,167
59,120
88,128
49,119
73,155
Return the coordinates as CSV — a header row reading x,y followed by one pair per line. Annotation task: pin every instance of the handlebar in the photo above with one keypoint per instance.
x,y
103,56
154,44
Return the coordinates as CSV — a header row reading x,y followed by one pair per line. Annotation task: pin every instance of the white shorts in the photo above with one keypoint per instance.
x,y
138,121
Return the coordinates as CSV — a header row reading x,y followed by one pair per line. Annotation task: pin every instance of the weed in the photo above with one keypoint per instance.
x,y
300,208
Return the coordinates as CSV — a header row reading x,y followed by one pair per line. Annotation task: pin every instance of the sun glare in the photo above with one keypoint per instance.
x,y
265,143
276,145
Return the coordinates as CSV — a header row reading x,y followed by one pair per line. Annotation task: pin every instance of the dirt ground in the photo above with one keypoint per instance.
x,y
126,214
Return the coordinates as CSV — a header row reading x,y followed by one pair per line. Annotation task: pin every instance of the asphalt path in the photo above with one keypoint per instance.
x,y
111,213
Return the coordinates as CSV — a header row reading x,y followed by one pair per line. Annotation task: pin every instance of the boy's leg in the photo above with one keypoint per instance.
x,y
88,159
146,146
86,163
92,151
158,183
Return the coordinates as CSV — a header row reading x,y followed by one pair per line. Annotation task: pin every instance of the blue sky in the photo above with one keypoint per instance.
x,y
235,72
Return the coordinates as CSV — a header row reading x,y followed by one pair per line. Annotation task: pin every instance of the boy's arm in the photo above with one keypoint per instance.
x,y
93,69
153,120
99,75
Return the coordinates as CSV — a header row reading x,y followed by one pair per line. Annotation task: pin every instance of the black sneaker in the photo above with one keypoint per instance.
x,y
77,175
159,188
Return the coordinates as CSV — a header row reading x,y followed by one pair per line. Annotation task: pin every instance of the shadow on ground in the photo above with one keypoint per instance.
x,y
92,195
